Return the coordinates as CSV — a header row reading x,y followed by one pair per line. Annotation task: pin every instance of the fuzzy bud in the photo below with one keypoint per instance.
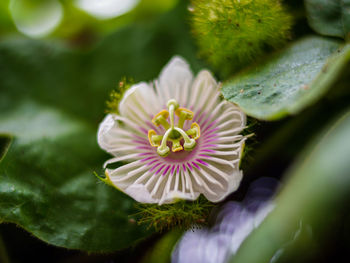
x,y
232,33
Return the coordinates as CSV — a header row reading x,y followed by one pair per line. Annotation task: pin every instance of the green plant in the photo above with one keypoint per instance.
x,y
232,33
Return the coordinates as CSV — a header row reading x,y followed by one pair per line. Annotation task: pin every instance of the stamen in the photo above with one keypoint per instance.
x,y
163,150
176,146
172,106
154,139
174,134
189,143
161,119
184,114
195,131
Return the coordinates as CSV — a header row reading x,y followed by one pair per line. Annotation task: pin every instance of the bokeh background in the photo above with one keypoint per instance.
x,y
59,61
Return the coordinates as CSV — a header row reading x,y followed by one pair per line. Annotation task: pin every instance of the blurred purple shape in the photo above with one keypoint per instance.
x,y
235,221
203,246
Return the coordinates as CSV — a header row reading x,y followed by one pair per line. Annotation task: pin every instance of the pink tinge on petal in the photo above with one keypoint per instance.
x,y
201,118
166,170
210,140
143,130
150,163
204,119
172,169
209,151
142,147
145,154
202,162
157,129
139,137
149,124
210,125
196,165
209,131
210,145
148,158
144,142
196,114
154,167
157,172
178,169
189,166
182,156
211,136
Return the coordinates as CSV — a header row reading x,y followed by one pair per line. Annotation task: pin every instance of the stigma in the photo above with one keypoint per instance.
x,y
175,134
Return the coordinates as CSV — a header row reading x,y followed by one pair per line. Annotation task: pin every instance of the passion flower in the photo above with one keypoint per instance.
x,y
176,137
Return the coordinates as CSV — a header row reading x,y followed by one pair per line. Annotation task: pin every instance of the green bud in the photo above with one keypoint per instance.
x,y
233,33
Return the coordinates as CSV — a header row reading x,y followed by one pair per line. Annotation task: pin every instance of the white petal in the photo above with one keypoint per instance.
x,y
172,196
175,81
231,183
140,193
138,103
136,180
117,140
204,93
104,137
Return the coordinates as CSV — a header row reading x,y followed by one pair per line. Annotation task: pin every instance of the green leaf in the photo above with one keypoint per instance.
x,y
292,80
47,183
51,101
5,141
318,186
161,251
329,17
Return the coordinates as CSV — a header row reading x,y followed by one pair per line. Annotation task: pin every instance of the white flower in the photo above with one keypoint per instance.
x,y
177,136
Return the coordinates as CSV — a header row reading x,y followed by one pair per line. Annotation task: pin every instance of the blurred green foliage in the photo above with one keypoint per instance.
x,y
77,25
5,141
6,24
329,17
316,187
161,251
290,81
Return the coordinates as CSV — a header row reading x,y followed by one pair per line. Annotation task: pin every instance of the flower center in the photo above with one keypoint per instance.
x,y
174,133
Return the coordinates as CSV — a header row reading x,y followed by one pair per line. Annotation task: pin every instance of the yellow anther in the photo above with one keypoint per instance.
x,y
195,131
176,146
161,119
154,139
184,114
